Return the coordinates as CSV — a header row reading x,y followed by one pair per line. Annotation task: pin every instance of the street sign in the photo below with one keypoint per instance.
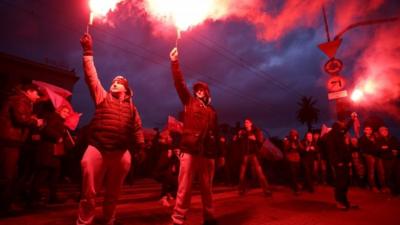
x,y
336,95
333,66
335,83
330,47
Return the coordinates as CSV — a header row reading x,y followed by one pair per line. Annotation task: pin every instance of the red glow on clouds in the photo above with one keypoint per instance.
x,y
272,19
100,8
348,12
377,71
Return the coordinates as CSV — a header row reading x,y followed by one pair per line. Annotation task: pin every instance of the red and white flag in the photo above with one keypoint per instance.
x,y
58,97
174,125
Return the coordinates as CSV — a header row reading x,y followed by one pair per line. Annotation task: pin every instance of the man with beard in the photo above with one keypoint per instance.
x,y
115,129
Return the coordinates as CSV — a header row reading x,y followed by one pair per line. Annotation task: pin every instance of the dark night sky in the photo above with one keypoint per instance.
x,y
250,74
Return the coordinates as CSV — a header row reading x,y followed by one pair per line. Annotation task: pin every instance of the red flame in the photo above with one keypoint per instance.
x,y
100,8
357,95
182,13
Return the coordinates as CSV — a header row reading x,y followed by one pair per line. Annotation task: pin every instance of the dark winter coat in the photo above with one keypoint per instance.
x,y
338,151
251,146
308,150
368,146
116,125
291,148
385,145
200,123
16,117
52,134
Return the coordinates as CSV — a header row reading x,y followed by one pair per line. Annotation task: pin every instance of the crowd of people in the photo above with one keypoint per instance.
x,y
35,147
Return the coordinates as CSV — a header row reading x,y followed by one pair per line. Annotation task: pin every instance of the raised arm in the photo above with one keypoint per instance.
x,y
96,89
179,81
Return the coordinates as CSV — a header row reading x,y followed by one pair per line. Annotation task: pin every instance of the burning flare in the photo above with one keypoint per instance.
x,y
357,95
182,13
100,8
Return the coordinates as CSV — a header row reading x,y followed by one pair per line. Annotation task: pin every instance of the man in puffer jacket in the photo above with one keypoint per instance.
x,y
115,129
16,119
198,145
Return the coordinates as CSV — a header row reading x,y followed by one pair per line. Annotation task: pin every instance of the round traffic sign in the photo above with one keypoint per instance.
x,y
333,66
335,83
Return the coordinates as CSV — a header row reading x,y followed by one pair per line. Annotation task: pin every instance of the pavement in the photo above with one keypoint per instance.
x,y
140,205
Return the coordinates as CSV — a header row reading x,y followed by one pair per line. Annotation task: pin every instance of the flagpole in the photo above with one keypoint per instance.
x,y
90,22
70,138
326,24
178,36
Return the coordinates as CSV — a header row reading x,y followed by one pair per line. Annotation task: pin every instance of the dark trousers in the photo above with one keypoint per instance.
x,y
169,184
252,159
389,173
47,174
342,184
9,157
397,176
308,166
294,171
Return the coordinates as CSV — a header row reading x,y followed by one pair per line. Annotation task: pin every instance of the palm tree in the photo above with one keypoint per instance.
x,y
307,113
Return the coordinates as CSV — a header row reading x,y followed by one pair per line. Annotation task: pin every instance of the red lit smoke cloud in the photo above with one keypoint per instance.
x,y
377,71
347,12
274,19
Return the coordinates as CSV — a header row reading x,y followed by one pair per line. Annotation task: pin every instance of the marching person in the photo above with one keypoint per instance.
x,y
368,148
251,139
388,149
49,152
308,151
291,149
16,119
340,158
115,129
198,145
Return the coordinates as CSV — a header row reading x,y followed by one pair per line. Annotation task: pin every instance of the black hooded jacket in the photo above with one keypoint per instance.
x,y
338,151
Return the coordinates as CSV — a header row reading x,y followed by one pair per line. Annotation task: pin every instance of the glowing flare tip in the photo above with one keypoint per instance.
x,y
357,95
182,13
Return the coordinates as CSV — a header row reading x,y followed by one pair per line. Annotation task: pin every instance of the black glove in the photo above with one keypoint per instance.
x,y
87,44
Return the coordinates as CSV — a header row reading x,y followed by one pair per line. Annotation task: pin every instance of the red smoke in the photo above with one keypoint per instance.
x,y
273,19
378,69
348,12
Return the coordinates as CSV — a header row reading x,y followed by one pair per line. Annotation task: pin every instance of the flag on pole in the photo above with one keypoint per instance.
x,y
270,151
174,125
57,96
